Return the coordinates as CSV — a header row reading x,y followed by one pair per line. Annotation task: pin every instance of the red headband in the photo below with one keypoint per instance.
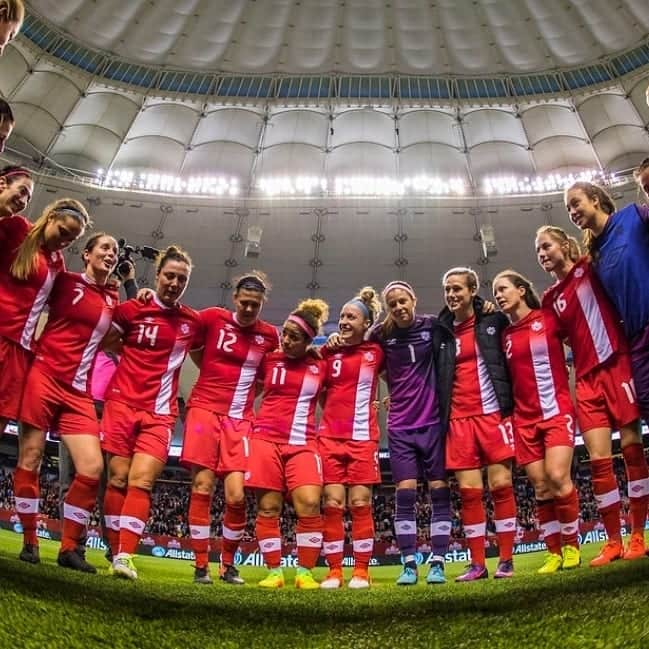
x,y
16,172
303,324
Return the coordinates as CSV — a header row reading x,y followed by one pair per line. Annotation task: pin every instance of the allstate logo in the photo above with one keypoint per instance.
x,y
18,528
419,558
158,551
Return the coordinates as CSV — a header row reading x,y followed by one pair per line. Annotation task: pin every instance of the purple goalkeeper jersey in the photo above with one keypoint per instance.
x,y
410,369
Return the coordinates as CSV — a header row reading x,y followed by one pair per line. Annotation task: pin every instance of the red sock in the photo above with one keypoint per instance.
x,y
113,503
474,522
505,515
77,507
199,526
234,525
135,513
362,535
309,540
549,525
27,496
269,540
638,475
333,537
607,495
567,508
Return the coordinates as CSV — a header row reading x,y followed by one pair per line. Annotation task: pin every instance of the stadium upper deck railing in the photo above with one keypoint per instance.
x,y
330,87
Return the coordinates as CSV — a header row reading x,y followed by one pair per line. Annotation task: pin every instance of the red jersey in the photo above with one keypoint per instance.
x,y
231,358
351,379
22,302
537,365
156,341
291,389
587,317
79,317
473,392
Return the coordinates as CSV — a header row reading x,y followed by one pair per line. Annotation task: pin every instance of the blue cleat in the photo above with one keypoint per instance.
x,y
436,573
408,577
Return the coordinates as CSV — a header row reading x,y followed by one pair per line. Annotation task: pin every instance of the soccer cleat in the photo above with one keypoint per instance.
x,y
504,570
611,551
473,573
436,573
304,580
108,555
408,577
30,554
124,567
202,575
274,579
333,580
360,579
636,548
571,557
551,564
73,560
230,575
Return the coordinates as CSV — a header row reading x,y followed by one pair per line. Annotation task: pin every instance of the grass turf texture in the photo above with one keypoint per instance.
x,y
47,606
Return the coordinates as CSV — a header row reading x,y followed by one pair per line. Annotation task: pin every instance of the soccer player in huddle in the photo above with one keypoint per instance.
x,y
16,189
12,14
57,396
480,428
605,395
219,418
7,123
348,439
30,261
544,419
141,404
419,354
284,460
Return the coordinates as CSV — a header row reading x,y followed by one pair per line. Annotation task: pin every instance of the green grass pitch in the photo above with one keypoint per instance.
x,y
47,607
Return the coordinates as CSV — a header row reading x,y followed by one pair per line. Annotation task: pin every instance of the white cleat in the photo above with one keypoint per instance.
x,y
124,567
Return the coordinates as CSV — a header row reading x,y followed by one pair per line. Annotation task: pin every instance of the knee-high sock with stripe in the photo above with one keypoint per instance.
x,y
567,508
269,540
135,513
27,496
113,503
638,477
607,495
309,540
405,523
333,537
474,522
199,526
362,535
549,525
234,525
77,507
440,521
505,515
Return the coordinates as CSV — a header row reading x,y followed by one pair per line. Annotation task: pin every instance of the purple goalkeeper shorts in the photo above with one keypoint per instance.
x,y
640,367
417,453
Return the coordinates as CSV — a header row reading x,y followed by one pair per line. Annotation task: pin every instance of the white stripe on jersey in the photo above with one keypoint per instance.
x,y
543,373
80,381
301,417
245,382
39,303
487,393
362,405
594,320
162,400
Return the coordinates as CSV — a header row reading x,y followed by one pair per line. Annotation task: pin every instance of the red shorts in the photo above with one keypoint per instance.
x,y
475,442
283,467
14,365
216,442
349,462
605,395
126,430
51,405
531,440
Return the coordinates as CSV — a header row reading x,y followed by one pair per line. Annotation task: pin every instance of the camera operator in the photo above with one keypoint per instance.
x,y
102,371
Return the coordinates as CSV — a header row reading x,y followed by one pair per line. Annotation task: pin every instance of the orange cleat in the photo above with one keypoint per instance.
x,y
636,548
612,551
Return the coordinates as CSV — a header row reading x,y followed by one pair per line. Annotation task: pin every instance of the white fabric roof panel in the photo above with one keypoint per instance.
x,y
291,160
297,126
